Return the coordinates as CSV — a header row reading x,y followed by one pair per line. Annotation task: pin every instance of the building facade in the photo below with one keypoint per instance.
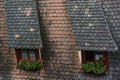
x,y
63,33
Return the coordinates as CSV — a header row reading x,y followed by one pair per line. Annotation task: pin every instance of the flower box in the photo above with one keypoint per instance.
x,y
97,67
30,66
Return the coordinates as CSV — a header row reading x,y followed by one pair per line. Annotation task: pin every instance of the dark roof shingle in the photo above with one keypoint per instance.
x,y
91,30
112,11
22,24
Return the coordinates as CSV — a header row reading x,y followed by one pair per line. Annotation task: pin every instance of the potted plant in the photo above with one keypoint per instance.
x,y
30,65
97,67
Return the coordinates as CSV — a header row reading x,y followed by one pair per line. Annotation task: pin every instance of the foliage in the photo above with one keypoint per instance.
x,y
30,66
32,78
96,67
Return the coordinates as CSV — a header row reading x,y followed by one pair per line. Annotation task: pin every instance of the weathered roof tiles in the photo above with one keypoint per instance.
x,y
22,24
112,13
91,30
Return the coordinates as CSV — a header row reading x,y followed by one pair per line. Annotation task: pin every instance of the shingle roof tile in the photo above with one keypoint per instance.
x,y
22,24
91,30
112,12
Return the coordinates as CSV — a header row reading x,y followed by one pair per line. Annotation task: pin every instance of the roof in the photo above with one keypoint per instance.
x,y
95,24
112,13
22,24
90,27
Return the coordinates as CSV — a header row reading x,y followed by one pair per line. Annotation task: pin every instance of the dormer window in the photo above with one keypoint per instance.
x,y
27,54
94,61
28,59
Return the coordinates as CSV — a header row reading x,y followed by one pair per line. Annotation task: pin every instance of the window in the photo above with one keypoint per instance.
x,y
32,55
27,54
24,55
29,59
95,57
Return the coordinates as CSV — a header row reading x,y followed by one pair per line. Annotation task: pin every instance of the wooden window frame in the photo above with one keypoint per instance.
x,y
19,54
105,57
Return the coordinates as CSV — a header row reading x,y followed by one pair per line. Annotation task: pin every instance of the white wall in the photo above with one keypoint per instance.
x,y
80,56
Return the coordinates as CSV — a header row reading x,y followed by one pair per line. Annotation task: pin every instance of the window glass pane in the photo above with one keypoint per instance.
x,y
32,55
89,56
98,56
24,54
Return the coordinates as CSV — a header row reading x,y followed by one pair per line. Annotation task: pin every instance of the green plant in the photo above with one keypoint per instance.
x,y
96,67
31,78
30,66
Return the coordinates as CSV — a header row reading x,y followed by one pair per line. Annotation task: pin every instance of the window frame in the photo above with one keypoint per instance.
x,y
19,54
105,56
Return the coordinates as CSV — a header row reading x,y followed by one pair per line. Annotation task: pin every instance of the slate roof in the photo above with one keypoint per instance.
x,y
112,11
90,26
95,24
22,24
